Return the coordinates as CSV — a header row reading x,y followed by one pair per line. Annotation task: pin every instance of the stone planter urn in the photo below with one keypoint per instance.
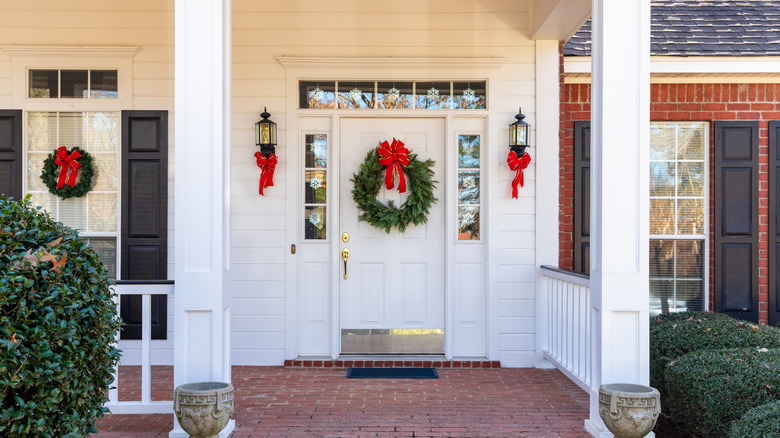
x,y
203,408
629,411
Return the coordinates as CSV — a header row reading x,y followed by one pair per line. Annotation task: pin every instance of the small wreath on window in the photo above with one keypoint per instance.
x,y
380,166
68,174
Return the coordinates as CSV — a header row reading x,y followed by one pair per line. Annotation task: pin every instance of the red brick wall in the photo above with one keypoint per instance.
x,y
680,102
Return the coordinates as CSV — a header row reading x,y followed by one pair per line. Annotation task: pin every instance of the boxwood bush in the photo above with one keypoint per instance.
x,y
760,422
57,327
673,335
709,389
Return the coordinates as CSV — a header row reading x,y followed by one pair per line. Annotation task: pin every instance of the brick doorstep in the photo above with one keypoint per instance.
x,y
392,363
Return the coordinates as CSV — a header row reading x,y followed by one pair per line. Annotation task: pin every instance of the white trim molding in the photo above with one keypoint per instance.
x,y
338,62
699,69
72,51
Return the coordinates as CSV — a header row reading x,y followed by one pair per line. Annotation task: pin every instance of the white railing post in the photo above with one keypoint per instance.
x,y
568,323
145,405
146,348
113,393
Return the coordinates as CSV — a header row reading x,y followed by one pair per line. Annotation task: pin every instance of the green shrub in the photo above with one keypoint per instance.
x,y
709,389
674,335
760,422
57,327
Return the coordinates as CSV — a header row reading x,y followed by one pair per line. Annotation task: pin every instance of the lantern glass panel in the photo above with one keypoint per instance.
x,y
522,135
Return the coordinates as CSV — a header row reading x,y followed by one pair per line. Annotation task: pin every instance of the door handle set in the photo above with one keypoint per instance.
x,y
345,257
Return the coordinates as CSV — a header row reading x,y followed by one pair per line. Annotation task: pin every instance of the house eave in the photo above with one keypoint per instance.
x,y
558,19
699,69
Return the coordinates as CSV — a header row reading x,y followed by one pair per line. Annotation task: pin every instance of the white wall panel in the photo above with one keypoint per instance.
x,y
451,28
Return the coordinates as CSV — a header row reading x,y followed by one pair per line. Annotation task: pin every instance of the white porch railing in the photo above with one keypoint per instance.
x,y
569,323
146,405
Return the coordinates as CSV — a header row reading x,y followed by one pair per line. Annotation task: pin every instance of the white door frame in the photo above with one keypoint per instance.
x,y
298,69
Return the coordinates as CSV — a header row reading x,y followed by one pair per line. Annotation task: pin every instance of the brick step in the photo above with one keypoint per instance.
x,y
387,363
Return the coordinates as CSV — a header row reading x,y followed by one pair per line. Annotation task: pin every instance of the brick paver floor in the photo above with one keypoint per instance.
x,y
322,402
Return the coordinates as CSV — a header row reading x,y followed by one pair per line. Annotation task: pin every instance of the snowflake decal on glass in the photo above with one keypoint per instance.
x,y
433,92
394,93
355,93
315,219
320,149
315,183
317,92
468,93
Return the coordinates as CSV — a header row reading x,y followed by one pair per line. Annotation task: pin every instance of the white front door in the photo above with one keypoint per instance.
x,y
393,298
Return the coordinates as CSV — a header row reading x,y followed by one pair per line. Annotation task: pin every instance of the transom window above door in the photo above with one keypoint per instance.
x,y
428,95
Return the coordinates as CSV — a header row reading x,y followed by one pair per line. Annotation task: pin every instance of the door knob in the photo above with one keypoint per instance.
x,y
345,257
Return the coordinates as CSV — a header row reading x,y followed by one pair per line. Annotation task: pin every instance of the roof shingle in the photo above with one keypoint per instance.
x,y
704,28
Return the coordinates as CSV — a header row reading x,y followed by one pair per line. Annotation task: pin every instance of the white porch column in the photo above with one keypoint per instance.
x,y
619,193
202,198
547,160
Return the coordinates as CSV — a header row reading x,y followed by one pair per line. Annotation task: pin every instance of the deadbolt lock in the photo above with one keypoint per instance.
x,y
345,237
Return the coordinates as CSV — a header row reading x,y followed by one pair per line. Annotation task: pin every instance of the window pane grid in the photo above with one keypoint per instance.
x,y
361,94
95,214
315,173
469,187
72,83
677,216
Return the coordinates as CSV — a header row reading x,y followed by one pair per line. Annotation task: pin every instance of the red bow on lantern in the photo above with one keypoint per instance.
x,y
69,165
268,164
518,164
394,157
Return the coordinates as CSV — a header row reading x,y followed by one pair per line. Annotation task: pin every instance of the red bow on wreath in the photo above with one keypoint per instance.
x,y
69,165
268,164
518,164
394,156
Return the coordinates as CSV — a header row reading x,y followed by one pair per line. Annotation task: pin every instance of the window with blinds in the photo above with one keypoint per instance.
x,y
95,214
678,176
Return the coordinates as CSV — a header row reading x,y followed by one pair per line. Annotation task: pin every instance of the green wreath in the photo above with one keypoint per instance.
x,y
368,181
51,174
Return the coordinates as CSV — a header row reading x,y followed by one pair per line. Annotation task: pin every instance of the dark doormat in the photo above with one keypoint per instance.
x,y
392,373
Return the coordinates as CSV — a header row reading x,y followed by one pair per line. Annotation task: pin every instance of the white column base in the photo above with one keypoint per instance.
x,y
178,432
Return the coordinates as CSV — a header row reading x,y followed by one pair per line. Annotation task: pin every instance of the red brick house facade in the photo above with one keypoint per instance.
x,y
678,102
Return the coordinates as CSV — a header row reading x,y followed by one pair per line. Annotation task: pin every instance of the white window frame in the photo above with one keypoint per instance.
x,y
26,58
705,237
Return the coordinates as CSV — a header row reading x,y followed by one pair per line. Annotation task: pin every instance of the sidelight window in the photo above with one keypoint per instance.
x,y
316,187
468,187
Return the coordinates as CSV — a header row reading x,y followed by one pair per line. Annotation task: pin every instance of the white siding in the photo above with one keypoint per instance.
x,y
263,31
147,24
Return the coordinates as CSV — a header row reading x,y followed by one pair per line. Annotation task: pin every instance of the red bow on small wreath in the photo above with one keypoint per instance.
x,y
69,165
518,164
268,164
394,156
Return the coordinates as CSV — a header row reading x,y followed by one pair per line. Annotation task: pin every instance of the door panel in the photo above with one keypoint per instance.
x,y
395,280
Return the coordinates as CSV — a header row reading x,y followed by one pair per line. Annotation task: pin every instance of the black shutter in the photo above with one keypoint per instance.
x,y
144,240
774,222
736,219
11,166
582,197
131,314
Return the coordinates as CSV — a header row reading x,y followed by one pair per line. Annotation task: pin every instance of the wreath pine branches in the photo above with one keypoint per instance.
x,y
51,172
368,181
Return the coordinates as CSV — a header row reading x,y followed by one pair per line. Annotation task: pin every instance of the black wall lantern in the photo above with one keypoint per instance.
x,y
265,134
518,134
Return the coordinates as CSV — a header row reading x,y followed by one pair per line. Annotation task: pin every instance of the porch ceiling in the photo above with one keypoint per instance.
x,y
558,19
